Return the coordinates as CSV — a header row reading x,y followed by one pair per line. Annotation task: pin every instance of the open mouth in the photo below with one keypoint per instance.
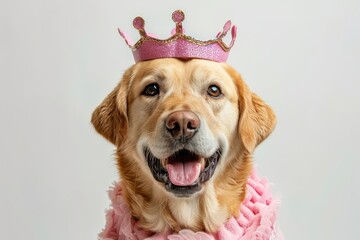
x,y
184,171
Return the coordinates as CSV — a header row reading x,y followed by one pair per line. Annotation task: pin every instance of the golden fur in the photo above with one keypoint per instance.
x,y
240,119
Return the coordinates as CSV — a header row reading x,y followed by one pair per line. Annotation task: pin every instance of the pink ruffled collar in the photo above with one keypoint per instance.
x,y
257,219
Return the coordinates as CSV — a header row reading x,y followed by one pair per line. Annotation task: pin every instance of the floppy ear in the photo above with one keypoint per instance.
x,y
257,120
110,117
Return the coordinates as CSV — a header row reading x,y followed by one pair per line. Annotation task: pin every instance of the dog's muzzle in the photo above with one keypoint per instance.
x,y
186,169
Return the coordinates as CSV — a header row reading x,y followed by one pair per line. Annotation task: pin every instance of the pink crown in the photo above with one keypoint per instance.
x,y
179,45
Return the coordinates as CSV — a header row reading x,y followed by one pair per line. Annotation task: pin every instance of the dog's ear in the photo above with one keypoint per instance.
x,y
257,120
110,117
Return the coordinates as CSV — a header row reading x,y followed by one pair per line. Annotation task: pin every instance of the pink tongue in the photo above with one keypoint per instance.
x,y
183,173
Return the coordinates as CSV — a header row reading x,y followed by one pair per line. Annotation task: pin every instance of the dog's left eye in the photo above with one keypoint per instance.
x,y
214,91
151,90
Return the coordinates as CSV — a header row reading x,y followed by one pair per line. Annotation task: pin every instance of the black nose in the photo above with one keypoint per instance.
x,y
182,125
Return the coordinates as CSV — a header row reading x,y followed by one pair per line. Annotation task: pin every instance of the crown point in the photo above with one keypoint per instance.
x,y
178,16
139,23
227,26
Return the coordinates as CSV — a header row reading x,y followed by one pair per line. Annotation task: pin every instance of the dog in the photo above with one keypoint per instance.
x,y
184,132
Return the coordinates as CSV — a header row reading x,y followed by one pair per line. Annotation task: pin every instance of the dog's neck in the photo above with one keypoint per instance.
x,y
198,213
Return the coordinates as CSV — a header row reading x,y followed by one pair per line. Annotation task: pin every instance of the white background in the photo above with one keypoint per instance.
x,y
60,58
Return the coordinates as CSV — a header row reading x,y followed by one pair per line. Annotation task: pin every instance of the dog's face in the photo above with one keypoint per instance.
x,y
183,117
184,130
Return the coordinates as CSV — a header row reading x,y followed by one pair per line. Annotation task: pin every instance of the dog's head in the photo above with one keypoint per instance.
x,y
183,126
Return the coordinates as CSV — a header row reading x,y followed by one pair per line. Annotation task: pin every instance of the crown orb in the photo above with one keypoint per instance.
x,y
139,23
178,16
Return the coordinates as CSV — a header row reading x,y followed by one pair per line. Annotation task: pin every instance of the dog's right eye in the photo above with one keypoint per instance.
x,y
151,90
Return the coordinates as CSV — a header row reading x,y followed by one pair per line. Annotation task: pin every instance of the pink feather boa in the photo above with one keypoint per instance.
x,y
257,219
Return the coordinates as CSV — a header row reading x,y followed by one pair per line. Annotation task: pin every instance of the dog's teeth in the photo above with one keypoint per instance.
x,y
202,162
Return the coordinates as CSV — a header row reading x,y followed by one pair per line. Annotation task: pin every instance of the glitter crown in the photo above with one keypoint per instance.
x,y
179,45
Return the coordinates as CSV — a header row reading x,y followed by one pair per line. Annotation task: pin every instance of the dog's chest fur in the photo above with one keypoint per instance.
x,y
202,211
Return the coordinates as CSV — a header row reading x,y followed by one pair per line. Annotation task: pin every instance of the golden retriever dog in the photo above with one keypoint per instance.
x,y
184,132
